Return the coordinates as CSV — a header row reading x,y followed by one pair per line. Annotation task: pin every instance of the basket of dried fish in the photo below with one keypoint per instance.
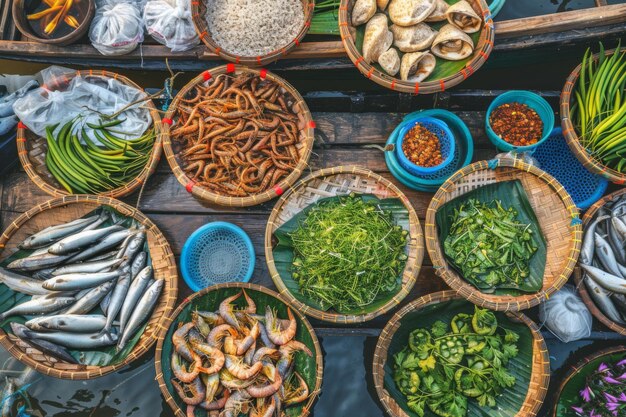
x,y
442,356
238,348
417,46
86,281
344,245
252,32
238,136
524,223
601,279
103,138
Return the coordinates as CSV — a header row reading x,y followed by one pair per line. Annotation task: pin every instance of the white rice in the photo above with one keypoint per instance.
x,y
253,28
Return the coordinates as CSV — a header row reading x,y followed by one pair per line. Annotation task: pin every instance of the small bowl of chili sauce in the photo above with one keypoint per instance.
x,y
425,146
519,120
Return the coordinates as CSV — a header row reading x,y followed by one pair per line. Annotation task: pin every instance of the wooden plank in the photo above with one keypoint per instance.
x,y
558,22
552,23
163,193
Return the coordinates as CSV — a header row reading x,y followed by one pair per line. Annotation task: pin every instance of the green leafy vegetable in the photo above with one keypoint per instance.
x,y
599,110
488,244
443,370
347,251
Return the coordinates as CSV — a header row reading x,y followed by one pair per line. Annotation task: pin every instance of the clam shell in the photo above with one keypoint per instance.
x,y
363,11
377,39
410,12
461,11
390,61
417,66
448,34
413,38
439,14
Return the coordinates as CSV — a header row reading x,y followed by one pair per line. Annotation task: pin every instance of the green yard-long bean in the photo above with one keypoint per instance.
x,y
81,166
599,109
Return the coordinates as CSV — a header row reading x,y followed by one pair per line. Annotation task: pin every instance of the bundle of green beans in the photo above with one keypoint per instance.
x,y
599,113
89,168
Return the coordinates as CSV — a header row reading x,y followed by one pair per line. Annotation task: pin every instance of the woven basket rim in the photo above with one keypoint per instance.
x,y
574,369
480,56
248,286
254,199
201,27
569,131
389,330
582,289
334,317
167,297
118,192
467,290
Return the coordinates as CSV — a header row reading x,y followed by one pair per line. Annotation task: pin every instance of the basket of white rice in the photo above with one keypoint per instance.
x,y
252,32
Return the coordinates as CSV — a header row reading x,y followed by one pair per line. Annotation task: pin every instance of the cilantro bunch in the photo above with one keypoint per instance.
x,y
446,366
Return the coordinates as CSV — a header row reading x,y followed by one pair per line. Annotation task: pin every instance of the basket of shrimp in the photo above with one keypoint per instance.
x,y
238,348
237,136
86,284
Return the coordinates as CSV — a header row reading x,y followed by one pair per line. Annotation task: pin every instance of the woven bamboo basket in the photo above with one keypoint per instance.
x,y
571,136
540,366
341,181
582,289
181,315
198,13
482,49
304,147
32,149
67,208
574,369
558,220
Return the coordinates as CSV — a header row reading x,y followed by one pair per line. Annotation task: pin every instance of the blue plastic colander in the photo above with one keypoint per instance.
x,y
446,142
463,153
556,158
216,253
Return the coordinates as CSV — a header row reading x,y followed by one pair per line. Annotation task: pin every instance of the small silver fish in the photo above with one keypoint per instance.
x,y
110,241
588,248
138,264
117,298
38,306
90,300
79,281
33,263
606,255
81,240
620,302
135,291
602,299
72,323
51,234
104,304
75,340
620,227
21,283
88,267
135,244
141,312
49,348
605,280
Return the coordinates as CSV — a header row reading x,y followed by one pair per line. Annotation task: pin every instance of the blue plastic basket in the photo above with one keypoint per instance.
x,y
463,153
556,158
533,101
446,141
217,253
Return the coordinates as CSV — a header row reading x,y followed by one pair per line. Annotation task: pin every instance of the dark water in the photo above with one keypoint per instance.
x,y
514,9
347,387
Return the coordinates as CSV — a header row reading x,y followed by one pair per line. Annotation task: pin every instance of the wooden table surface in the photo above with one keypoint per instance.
x,y
351,128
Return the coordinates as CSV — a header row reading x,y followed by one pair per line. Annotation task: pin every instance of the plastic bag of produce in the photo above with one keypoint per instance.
x,y
117,27
170,23
64,97
565,315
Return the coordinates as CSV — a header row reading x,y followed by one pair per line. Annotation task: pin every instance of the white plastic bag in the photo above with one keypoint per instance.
x,y
117,27
566,316
87,96
170,23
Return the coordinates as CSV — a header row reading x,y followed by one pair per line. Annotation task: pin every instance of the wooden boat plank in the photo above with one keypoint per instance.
x,y
558,22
